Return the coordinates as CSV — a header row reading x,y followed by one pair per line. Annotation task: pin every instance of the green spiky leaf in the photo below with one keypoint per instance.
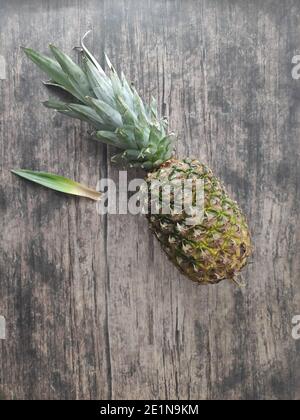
x,y
106,112
87,114
110,104
55,104
58,183
90,56
110,139
76,75
100,84
51,68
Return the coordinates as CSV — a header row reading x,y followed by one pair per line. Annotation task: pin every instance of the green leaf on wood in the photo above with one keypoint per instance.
x,y
59,183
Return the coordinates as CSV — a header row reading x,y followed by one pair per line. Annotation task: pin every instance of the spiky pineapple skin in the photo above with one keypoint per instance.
x,y
219,247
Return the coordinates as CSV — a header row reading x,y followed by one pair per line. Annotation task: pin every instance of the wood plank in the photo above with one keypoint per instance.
x,y
93,308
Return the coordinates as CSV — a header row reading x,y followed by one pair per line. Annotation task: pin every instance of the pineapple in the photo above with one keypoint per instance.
x,y
207,252
218,247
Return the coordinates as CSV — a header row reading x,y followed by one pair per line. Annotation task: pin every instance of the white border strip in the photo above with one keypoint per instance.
x,y
2,68
2,328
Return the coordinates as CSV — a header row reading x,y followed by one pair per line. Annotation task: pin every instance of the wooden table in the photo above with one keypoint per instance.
x,y
93,308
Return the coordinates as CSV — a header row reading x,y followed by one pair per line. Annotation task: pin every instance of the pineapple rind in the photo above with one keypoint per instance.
x,y
219,247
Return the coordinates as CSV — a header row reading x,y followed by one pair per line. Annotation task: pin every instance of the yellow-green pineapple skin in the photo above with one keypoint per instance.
x,y
219,247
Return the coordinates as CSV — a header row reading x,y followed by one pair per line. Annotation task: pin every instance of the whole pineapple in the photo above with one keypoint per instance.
x,y
218,247
211,250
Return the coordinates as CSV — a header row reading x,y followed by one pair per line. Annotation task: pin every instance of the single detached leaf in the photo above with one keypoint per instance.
x,y
59,183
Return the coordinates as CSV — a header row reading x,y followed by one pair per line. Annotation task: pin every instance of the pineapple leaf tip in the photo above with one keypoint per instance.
x,y
58,183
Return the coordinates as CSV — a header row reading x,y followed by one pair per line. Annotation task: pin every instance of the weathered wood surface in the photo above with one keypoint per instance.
x,y
94,310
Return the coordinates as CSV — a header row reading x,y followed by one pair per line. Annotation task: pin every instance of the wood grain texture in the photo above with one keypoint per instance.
x,y
94,309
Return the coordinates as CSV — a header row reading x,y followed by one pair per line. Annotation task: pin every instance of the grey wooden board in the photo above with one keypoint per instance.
x,y
93,308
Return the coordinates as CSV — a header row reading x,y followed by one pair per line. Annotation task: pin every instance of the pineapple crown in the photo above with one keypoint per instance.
x,y
110,104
